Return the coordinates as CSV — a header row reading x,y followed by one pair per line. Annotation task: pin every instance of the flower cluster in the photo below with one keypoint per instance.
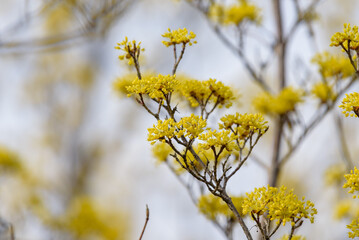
x,y
352,181
179,36
235,14
161,151
121,83
294,237
348,39
334,174
282,103
131,48
354,227
155,87
244,125
324,92
331,65
350,104
346,208
278,204
190,127
213,207
206,92
9,161
218,140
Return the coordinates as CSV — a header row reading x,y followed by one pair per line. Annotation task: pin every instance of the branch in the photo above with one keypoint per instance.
x,y
147,218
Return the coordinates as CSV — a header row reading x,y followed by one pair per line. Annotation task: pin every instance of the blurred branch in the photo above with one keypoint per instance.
x,y
343,143
147,218
97,22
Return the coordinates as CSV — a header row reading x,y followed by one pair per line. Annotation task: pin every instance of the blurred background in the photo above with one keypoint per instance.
x,y
74,158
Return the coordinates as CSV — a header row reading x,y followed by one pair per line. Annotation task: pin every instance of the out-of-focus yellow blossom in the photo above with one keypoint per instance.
x,y
213,139
121,83
343,209
349,34
59,18
324,92
161,151
155,87
278,204
206,92
234,14
331,65
212,206
350,104
132,50
294,237
9,161
87,220
352,181
191,127
334,174
179,36
243,125
354,227
282,103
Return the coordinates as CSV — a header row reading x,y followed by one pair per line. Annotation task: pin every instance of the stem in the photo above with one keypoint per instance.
x,y
147,218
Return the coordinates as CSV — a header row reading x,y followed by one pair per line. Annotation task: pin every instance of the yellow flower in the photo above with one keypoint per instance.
x,y
155,87
331,65
179,36
212,206
349,34
278,204
354,227
294,237
234,14
132,50
161,151
282,103
244,125
206,92
343,209
352,181
350,104
324,92
213,139
334,174
191,127
9,161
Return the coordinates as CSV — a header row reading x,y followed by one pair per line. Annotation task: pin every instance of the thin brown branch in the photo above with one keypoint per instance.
x,y
147,219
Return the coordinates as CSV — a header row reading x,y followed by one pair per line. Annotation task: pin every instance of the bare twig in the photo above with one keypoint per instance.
x,y
146,221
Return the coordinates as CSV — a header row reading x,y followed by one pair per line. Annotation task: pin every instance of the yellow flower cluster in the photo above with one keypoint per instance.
x,y
278,204
282,103
244,125
324,92
352,181
350,104
87,220
191,127
354,227
212,206
131,49
331,65
161,151
179,36
350,35
294,237
204,92
334,174
234,14
346,208
9,161
155,87
213,139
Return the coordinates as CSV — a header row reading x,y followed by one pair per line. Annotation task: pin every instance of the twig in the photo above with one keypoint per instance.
x,y
147,218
